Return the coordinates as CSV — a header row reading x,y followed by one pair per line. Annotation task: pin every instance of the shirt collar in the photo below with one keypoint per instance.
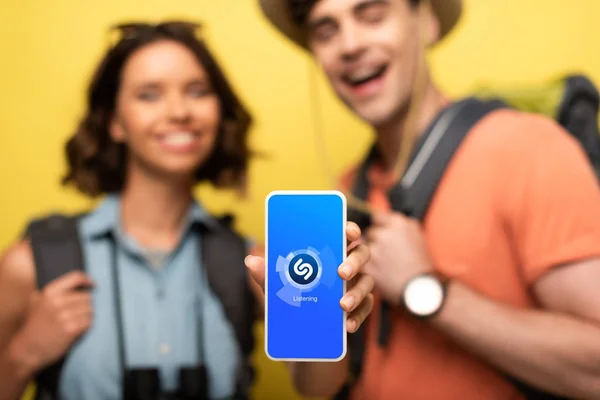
x,y
105,218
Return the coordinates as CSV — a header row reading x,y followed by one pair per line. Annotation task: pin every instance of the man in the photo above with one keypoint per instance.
x,y
512,235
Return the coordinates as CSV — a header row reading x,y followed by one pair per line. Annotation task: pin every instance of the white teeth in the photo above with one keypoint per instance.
x,y
179,138
362,73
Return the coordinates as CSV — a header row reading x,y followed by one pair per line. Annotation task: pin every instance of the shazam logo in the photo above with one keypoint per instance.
x,y
302,271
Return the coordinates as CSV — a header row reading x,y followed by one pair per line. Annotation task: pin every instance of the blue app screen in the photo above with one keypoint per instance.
x,y
305,246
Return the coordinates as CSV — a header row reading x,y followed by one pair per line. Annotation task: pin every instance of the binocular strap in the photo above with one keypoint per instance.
x,y
146,379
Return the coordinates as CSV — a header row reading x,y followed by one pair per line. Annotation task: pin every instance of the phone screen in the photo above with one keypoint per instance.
x,y
305,245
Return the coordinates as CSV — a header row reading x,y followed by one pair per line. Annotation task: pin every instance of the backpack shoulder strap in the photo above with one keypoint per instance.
x,y
578,114
414,192
360,189
223,252
417,187
56,248
419,184
429,160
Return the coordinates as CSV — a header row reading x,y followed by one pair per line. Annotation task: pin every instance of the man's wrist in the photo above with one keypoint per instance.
x,y
457,298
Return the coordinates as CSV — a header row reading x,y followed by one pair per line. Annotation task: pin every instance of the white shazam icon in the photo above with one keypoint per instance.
x,y
304,263
305,269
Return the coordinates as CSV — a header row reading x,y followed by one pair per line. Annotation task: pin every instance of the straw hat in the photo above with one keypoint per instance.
x,y
278,13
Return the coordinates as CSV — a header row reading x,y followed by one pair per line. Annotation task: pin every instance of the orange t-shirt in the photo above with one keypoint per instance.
x,y
518,198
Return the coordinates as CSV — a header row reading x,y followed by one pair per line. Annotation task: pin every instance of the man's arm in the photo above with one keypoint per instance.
x,y
548,206
556,351
551,212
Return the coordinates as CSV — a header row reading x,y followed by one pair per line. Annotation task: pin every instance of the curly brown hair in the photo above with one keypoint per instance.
x,y
97,164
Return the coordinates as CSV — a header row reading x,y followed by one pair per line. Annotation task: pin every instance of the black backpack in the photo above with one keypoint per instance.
x,y
57,250
576,110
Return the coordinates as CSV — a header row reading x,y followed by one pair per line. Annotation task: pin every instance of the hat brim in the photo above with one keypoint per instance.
x,y
278,13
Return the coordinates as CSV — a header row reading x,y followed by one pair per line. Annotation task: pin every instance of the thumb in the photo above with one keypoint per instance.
x,y
256,265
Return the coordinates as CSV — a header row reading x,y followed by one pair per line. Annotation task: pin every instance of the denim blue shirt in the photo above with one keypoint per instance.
x,y
166,309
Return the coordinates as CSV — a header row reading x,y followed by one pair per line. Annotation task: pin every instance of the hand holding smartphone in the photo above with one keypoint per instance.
x,y
305,244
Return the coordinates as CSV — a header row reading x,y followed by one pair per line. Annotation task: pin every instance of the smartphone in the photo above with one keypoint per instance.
x,y
305,243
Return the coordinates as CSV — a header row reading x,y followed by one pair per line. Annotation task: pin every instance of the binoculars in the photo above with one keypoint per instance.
x,y
144,384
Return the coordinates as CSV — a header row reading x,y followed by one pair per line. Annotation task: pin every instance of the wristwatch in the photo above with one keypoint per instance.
x,y
424,295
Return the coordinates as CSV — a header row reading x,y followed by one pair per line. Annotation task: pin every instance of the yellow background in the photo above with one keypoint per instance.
x,y
49,47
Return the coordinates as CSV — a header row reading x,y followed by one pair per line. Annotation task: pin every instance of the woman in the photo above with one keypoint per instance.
x,y
161,117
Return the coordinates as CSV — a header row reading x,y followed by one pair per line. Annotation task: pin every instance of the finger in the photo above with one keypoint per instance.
x,y
354,263
352,246
256,265
70,281
362,288
78,326
352,232
76,312
358,316
76,299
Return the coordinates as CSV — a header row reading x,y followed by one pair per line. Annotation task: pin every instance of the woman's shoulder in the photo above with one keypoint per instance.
x,y
17,262
17,271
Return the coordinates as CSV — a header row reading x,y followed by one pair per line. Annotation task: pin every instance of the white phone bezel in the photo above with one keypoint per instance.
x,y
344,222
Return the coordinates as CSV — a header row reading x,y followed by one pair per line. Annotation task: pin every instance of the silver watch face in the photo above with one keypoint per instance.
x,y
424,295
